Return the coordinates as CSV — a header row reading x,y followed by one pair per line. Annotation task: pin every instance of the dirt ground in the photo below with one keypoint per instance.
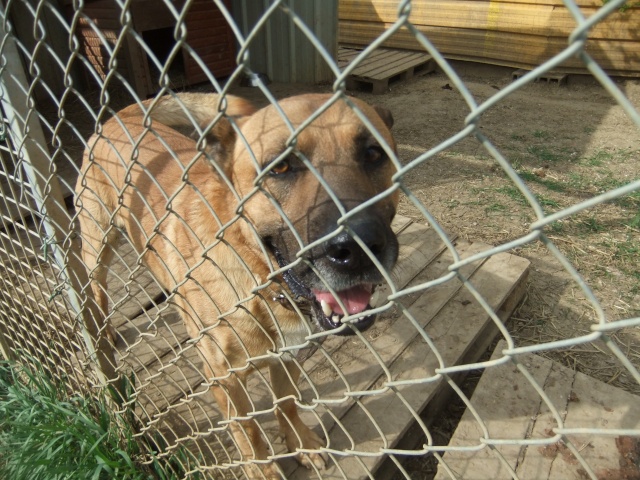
x,y
568,143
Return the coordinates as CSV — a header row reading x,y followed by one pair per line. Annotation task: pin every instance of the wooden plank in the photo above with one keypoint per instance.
x,y
346,56
406,67
151,337
381,57
419,246
376,59
454,330
382,65
399,223
128,291
177,379
511,409
557,385
558,3
393,65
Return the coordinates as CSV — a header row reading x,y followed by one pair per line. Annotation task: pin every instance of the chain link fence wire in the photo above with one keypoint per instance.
x,y
65,70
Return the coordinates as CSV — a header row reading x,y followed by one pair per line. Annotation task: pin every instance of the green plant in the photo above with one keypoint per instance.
x,y
591,224
541,134
634,222
557,227
495,207
544,154
625,6
46,435
553,185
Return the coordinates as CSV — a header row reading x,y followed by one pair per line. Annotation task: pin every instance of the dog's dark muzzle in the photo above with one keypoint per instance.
x,y
350,264
343,272
363,240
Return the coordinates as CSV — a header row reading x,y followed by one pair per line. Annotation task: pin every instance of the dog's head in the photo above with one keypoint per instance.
x,y
325,215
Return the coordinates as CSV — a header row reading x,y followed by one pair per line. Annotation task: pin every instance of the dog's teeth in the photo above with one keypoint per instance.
x,y
336,319
326,309
374,298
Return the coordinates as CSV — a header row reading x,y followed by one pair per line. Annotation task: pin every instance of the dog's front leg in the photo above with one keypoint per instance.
x,y
297,435
232,398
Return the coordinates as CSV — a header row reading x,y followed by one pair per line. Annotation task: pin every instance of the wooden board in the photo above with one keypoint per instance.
x,y
383,66
511,409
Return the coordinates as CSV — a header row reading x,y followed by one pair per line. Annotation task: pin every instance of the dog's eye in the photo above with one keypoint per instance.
x,y
374,155
283,166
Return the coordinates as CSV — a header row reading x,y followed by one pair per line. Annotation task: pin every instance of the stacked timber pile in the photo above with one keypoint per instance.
x,y
514,33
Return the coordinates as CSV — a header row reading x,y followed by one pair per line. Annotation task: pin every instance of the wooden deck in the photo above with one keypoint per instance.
x,y
511,408
383,66
173,402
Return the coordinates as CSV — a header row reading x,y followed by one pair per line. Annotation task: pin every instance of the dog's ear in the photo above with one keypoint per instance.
x,y
222,137
221,134
385,115
238,107
220,142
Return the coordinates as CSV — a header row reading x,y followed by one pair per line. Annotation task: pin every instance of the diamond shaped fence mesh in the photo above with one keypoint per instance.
x,y
237,271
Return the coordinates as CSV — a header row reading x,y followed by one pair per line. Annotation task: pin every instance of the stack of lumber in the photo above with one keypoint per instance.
x,y
514,33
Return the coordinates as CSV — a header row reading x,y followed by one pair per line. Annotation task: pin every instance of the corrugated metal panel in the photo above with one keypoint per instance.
x,y
280,49
515,33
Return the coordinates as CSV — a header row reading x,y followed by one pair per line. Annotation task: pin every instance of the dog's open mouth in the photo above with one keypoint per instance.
x,y
330,311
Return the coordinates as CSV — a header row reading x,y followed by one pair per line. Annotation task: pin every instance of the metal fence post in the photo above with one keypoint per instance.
x,y
27,136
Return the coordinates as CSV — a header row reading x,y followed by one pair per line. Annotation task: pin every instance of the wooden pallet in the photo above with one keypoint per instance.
x,y
174,402
383,66
511,408
549,77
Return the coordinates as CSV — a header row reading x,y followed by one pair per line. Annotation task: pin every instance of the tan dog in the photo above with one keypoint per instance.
x,y
214,227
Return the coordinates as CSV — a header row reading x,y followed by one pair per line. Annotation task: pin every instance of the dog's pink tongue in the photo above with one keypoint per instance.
x,y
355,299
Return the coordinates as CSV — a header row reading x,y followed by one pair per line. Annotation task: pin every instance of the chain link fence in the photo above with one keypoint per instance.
x,y
180,353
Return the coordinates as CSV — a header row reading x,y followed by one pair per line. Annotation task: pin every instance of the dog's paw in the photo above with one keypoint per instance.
x,y
262,471
318,460
112,334
314,460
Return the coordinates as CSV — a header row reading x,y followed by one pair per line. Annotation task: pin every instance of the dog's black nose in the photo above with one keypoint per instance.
x,y
344,251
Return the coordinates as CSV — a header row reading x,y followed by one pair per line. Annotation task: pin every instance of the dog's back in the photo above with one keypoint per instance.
x,y
132,176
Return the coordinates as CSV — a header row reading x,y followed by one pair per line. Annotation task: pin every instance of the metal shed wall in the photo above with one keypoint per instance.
x,y
280,49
